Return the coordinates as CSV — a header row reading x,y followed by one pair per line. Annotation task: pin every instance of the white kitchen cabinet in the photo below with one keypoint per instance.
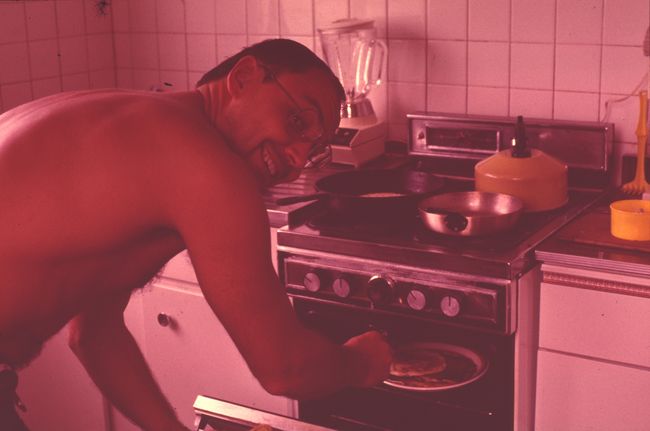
x,y
58,392
190,353
593,370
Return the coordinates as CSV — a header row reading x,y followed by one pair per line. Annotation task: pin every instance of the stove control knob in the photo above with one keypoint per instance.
x,y
312,281
450,306
416,299
380,289
342,287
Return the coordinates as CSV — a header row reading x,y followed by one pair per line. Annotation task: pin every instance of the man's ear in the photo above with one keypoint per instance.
x,y
244,73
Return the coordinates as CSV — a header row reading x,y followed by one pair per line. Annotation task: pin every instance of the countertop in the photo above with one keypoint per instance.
x,y
587,243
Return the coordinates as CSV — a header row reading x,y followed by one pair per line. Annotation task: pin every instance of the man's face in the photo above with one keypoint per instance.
x,y
262,123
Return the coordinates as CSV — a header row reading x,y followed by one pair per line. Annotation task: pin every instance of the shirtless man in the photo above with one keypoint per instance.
x,y
99,189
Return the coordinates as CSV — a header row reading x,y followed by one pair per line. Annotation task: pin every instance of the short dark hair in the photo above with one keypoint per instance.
x,y
279,55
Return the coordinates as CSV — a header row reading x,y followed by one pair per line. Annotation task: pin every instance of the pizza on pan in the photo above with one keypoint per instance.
x,y
430,366
412,363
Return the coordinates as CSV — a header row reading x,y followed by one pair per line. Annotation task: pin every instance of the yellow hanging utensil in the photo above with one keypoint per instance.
x,y
639,185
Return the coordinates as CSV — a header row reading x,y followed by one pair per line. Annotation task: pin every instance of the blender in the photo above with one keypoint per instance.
x,y
357,58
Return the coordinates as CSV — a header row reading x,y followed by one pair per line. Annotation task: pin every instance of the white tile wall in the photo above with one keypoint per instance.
x,y
73,54
201,52
407,60
447,62
16,94
531,103
406,19
51,46
200,16
13,28
488,64
44,58
142,16
487,101
15,62
231,17
46,87
120,13
533,21
489,20
292,15
371,9
41,20
447,19
173,52
531,66
579,21
263,17
326,11
559,59
447,98
621,24
576,67
170,16
70,17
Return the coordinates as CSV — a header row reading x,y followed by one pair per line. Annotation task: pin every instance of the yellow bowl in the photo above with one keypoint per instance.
x,y
630,219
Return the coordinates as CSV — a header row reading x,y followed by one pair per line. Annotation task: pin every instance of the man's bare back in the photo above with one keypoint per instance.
x,y
99,189
79,218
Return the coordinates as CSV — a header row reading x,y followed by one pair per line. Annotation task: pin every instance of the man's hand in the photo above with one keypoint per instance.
x,y
372,358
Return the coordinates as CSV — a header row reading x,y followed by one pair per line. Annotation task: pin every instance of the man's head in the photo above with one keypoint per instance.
x,y
277,101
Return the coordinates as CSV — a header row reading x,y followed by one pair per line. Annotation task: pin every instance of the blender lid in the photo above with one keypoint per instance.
x,y
346,25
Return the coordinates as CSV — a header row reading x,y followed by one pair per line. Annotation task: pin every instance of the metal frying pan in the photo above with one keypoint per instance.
x,y
470,213
372,190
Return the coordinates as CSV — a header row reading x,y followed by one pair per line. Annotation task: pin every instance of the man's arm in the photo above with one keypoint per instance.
x,y
224,225
106,348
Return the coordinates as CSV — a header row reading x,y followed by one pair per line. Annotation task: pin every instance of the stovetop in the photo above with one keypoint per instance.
x,y
409,242
441,145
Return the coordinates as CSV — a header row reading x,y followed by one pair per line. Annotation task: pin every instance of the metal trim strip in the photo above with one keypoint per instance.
x,y
621,288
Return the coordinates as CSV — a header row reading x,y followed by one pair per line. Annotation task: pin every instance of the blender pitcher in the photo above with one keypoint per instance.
x,y
357,57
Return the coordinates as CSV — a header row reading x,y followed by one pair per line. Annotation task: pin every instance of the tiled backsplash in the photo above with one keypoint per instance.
x,y
52,46
561,59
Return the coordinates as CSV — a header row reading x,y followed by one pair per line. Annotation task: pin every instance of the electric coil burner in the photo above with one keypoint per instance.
x,y
347,273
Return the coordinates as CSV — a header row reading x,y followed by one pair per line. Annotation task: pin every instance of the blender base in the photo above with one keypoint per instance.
x,y
358,144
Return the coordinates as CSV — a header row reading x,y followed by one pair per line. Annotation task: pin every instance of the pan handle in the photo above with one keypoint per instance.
x,y
302,198
454,221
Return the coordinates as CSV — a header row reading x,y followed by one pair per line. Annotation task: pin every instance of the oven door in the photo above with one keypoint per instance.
x,y
486,403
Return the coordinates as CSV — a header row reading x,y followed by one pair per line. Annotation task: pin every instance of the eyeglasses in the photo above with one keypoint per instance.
x,y
306,124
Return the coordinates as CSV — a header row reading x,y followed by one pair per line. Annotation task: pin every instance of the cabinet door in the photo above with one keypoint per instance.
x,y
58,392
576,393
134,321
600,324
191,354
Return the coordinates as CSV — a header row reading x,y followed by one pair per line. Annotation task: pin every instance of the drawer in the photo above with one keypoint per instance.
x,y
594,323
580,394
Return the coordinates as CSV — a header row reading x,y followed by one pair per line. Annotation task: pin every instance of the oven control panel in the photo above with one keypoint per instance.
x,y
397,289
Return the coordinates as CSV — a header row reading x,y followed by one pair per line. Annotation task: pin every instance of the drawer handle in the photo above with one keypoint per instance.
x,y
164,320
